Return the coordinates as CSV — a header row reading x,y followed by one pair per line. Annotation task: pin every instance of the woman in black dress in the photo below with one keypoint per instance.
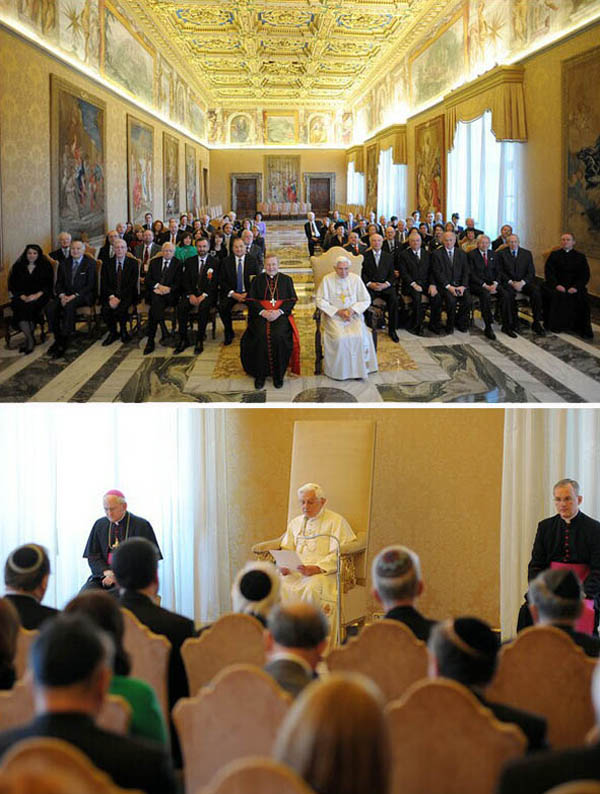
x,y
30,283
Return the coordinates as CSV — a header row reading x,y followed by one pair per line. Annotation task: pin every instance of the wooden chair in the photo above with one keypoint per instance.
x,y
25,640
577,787
444,741
115,715
322,266
256,776
149,657
232,639
237,715
543,671
54,759
6,314
387,652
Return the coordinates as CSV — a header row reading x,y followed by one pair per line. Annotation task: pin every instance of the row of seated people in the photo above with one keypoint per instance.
x,y
335,716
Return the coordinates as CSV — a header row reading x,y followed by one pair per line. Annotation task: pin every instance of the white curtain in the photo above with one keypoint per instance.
x,y
355,187
169,461
484,177
391,186
540,447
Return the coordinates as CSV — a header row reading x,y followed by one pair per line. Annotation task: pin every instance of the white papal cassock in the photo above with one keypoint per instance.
x,y
348,347
320,589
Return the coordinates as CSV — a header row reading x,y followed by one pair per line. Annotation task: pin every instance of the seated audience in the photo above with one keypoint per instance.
x,y
295,642
556,599
466,650
378,273
199,294
468,242
567,305
145,251
118,292
147,221
172,234
259,240
9,631
500,243
30,283
451,276
70,690
158,229
137,237
262,226
391,244
256,590
485,282
26,574
336,738
397,584
162,284
337,237
424,232
469,224
519,274
247,236
63,251
185,247
437,241
417,277
354,245
454,219
102,609
236,273
108,249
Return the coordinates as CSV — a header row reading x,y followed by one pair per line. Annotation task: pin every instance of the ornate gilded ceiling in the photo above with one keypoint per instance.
x,y
288,53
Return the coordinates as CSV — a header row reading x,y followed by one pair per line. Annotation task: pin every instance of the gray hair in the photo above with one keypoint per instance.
x,y
396,573
565,482
311,486
550,605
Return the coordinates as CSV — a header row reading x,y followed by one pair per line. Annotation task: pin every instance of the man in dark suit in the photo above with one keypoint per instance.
x,y
199,294
470,224
567,305
313,229
485,282
380,279
417,278
108,249
72,671
391,245
26,575
500,243
252,249
229,235
161,285
397,584
519,277
147,221
466,650
173,234
455,219
354,245
117,525
235,274
451,276
62,253
118,291
146,251
437,240
75,287
295,642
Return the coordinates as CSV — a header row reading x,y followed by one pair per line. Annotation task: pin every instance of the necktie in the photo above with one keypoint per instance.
x,y
419,254
514,254
200,269
356,250
173,237
485,258
165,265
314,230
119,275
240,275
66,252
75,266
111,252
146,256
450,252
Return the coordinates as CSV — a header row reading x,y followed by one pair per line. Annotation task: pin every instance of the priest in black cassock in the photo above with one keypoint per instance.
x,y
118,525
271,337
566,302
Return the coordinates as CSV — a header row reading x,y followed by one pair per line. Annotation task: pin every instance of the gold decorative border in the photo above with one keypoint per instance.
x,y
267,114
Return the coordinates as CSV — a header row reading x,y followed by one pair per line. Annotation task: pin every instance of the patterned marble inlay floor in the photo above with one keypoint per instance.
x,y
464,367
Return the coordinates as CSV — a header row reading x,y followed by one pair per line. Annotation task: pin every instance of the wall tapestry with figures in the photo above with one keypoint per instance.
x,y
140,169
282,178
430,166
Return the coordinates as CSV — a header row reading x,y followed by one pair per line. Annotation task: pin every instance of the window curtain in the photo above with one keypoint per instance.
x,y
540,448
355,190
391,186
484,177
170,461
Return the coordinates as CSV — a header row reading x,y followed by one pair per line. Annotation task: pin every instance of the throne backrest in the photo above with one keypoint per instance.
x,y
322,265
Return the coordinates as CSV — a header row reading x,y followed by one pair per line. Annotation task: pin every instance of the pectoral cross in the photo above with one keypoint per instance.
x,y
343,297
273,302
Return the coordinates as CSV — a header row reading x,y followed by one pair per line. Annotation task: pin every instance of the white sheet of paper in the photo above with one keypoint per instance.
x,y
284,558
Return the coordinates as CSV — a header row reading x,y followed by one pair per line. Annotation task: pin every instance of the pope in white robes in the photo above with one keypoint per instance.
x,y
315,581
347,343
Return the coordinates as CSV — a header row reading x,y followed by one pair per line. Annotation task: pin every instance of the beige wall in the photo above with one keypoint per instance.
x,y
224,162
25,154
437,483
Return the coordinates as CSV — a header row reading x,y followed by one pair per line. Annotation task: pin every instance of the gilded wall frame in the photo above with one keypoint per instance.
x,y
430,166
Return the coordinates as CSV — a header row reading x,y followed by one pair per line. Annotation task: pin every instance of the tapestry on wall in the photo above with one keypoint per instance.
x,y
430,166
283,178
191,179
140,169
78,163
170,175
372,165
581,140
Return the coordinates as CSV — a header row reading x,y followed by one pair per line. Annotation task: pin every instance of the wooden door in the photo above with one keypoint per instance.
x,y
245,198
319,191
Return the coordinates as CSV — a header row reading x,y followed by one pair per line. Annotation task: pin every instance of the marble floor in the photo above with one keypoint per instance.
x,y
462,368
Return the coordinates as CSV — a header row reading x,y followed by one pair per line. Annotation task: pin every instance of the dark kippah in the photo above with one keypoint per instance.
x,y
255,585
566,587
478,636
26,559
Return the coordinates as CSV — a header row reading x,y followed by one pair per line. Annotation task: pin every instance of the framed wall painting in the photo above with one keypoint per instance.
x,y
430,166
170,175
280,128
191,179
125,58
372,166
140,169
282,178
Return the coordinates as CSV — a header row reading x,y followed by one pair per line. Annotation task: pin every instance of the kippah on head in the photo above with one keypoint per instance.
x,y
477,636
564,584
26,559
393,561
135,563
67,651
255,585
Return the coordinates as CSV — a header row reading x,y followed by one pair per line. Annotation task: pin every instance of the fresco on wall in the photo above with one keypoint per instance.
x,y
126,59
41,15
239,129
140,169
191,178
430,166
436,68
318,129
78,161
489,33
581,136
170,175
281,128
196,118
283,178
79,30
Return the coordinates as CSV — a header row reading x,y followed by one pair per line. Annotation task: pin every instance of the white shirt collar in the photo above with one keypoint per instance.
x,y
288,656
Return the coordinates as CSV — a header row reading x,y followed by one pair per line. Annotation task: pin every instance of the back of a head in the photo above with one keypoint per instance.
x,y
335,737
26,567
104,612
68,650
255,590
9,631
396,574
465,650
557,595
298,625
135,563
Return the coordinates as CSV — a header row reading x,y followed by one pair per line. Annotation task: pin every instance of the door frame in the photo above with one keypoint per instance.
x,y
259,187
307,175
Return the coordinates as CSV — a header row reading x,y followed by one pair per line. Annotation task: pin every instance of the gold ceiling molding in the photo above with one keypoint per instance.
x,y
501,91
